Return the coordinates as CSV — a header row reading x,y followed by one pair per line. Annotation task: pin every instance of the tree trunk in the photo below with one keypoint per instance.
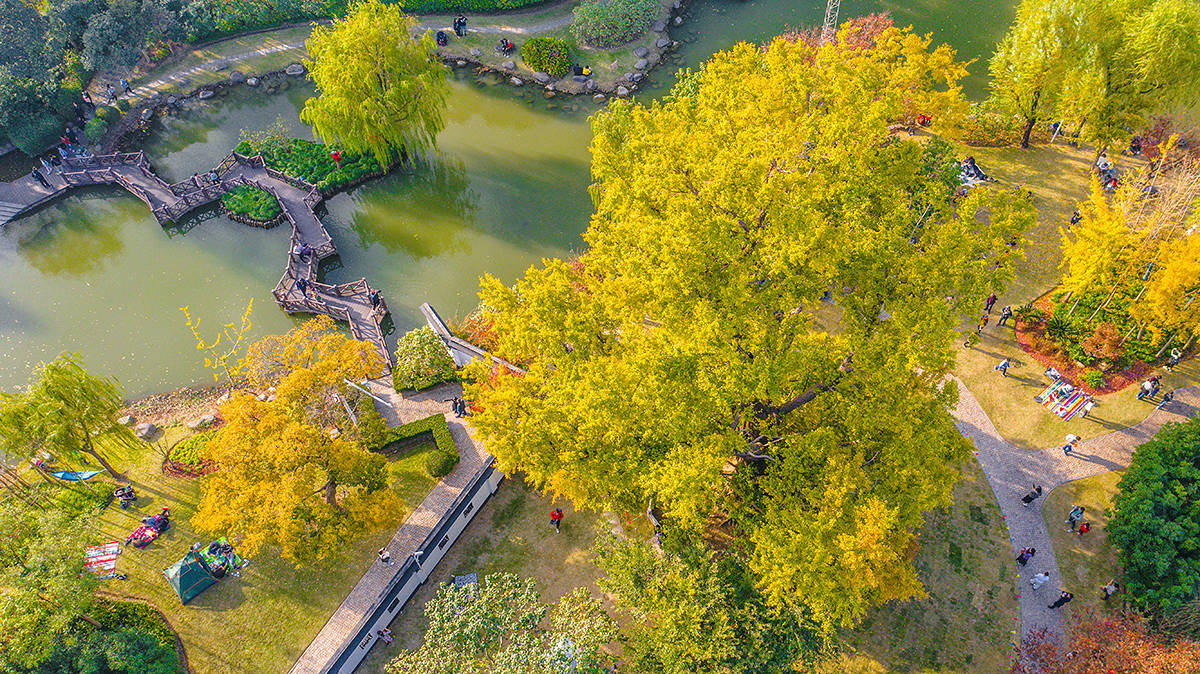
x,y
1028,131
100,459
331,493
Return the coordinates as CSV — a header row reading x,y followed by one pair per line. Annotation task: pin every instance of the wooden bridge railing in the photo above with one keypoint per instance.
x,y
105,160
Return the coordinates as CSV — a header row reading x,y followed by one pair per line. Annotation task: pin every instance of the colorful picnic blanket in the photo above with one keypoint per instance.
x,y
1067,407
101,559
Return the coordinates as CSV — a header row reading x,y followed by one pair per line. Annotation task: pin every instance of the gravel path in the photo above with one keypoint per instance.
x,y
1013,471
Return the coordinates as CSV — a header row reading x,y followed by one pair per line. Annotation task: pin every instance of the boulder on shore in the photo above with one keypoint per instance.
x,y
659,26
145,431
542,77
252,81
126,420
641,52
517,81
206,94
475,51
295,70
509,65
237,77
203,422
663,43
622,91
641,64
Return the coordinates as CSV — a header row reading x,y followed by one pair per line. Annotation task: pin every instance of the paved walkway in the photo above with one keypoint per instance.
x,y
378,577
1013,471
350,302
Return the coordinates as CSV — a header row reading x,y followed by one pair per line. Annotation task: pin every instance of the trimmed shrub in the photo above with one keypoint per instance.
x,y
311,162
34,133
1094,379
422,361
108,113
608,23
123,105
251,202
116,615
95,128
548,55
439,463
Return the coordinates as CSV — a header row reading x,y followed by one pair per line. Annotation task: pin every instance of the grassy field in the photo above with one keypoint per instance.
x,y
1086,562
1058,176
262,620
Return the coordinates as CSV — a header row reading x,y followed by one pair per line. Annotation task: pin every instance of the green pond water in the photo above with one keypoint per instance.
x,y
94,273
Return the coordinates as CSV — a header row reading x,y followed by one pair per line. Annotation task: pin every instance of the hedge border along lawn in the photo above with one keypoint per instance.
x,y
471,6
547,54
434,424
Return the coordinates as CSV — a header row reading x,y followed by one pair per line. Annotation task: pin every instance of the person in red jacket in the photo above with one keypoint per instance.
x,y
556,516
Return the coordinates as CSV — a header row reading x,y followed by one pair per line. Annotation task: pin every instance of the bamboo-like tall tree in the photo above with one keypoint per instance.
x,y
379,89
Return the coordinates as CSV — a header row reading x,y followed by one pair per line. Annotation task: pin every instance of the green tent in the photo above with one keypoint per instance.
x,y
189,576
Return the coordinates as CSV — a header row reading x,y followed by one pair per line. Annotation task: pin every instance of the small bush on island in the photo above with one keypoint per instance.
x,y
309,161
94,129
548,55
422,361
609,23
251,202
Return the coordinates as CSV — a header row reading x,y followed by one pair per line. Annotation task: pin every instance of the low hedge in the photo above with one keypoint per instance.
x,y
251,202
435,425
609,23
422,361
108,113
209,19
548,55
117,615
95,128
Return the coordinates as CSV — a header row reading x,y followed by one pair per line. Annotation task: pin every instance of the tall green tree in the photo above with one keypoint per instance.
x,y
1156,519
760,330
501,626
64,411
43,587
1028,67
379,89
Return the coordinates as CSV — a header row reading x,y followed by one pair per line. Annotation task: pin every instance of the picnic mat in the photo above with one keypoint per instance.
x,y
1068,407
101,559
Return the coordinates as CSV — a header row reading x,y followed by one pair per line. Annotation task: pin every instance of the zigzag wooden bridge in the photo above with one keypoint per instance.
x,y
349,302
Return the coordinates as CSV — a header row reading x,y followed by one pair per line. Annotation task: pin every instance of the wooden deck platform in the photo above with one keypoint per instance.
x,y
350,302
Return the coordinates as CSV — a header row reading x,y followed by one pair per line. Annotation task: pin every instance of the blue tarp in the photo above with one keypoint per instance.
x,y
74,475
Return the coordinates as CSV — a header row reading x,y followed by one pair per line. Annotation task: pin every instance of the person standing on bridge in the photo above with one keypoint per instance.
x,y
196,180
302,286
37,175
376,299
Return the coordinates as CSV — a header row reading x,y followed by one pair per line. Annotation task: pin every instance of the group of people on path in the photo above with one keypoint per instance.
x,y
459,406
52,163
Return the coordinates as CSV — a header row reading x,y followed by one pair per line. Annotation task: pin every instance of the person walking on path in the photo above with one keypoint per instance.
x,y
1063,598
1087,407
1072,444
556,516
1005,314
37,175
990,302
1075,515
1003,367
1032,495
1039,579
1167,397
125,86
460,25
1109,590
385,556
1026,555
112,94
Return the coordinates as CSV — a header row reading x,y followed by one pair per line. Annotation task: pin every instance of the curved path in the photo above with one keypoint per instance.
x,y
350,302
1013,471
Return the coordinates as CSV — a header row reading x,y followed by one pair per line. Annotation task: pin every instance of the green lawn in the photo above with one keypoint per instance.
x,y
263,620
1058,177
965,623
1086,562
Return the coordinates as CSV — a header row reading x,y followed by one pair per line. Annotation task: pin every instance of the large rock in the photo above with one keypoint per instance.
x,y
590,85
460,63
622,91
678,4
206,93
638,77
252,81
517,81
237,77
172,100
295,70
663,43
476,52
203,422
641,52
580,78
509,65
629,76
598,97
145,431
126,420
541,77
659,26
678,21
641,64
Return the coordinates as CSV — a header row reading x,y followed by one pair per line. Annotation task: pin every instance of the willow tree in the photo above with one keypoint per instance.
x,y
758,336
291,471
64,411
1028,66
379,89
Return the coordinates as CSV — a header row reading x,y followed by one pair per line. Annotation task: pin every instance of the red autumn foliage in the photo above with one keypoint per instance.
x,y
862,34
1096,642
